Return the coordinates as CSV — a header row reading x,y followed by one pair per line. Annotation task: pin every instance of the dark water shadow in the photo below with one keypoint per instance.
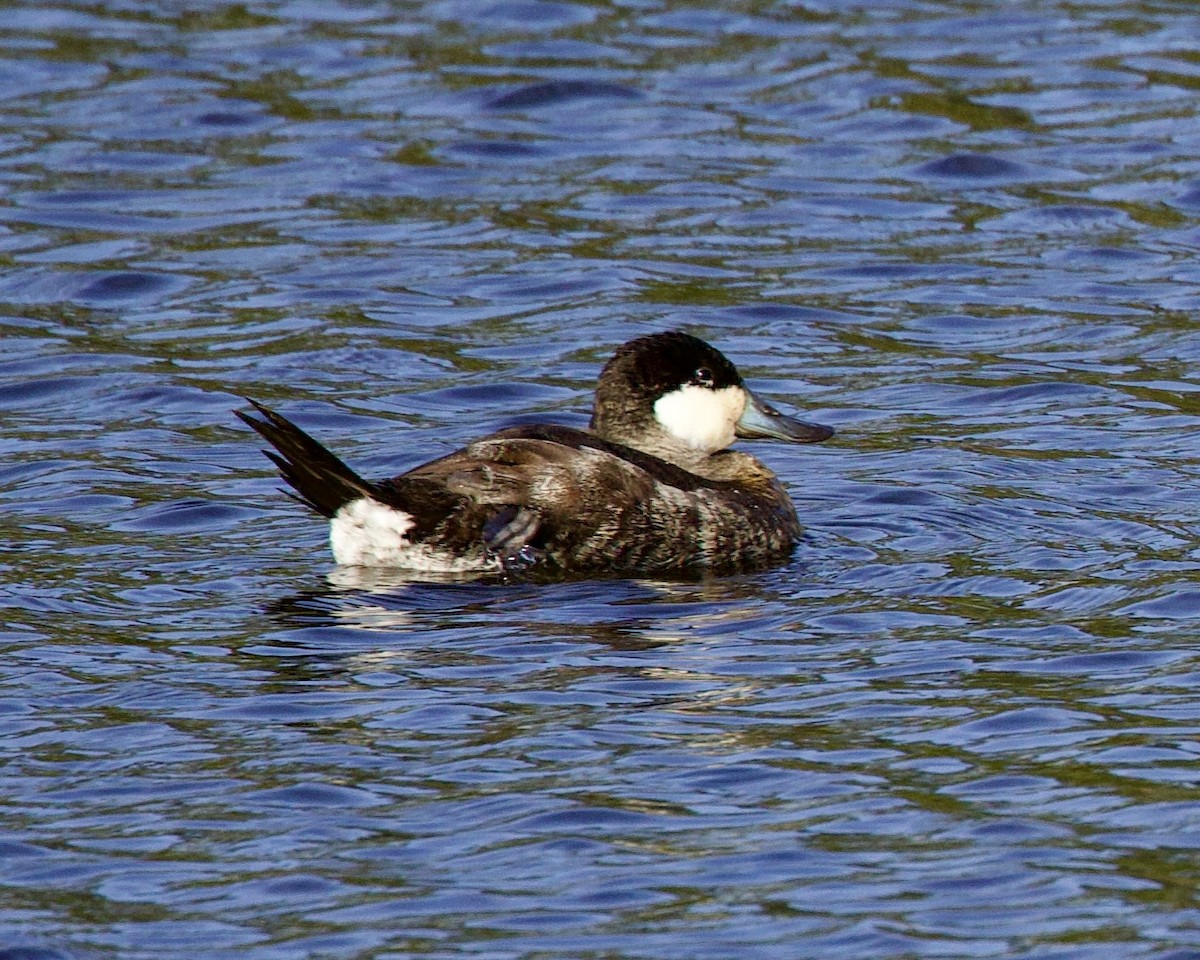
x,y
555,92
358,610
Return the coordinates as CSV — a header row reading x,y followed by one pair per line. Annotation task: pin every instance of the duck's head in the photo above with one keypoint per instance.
x,y
677,397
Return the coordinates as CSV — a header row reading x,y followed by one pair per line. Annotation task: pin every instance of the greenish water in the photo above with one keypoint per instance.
x,y
961,723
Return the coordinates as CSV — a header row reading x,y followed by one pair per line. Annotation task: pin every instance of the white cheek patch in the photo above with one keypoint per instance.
x,y
701,417
366,533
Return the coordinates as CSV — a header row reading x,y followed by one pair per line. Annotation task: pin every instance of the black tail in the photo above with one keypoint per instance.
x,y
320,479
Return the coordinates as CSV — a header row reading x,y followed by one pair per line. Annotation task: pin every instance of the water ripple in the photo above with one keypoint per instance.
x,y
959,723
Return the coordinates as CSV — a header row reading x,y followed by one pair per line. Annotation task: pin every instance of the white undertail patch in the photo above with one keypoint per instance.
x,y
701,417
367,533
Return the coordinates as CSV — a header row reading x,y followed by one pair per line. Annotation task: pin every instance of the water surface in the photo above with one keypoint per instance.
x,y
961,723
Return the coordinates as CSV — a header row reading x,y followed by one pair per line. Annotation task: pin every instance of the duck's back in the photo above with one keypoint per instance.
x,y
564,499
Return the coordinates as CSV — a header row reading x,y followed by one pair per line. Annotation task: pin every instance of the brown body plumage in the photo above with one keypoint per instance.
x,y
648,490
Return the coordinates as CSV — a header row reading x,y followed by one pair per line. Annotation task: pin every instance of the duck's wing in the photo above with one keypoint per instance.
x,y
509,487
523,488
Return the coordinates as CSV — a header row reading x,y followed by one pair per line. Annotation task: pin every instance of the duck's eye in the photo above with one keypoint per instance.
x,y
703,377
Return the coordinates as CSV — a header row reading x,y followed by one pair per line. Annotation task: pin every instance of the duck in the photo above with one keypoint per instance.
x,y
650,488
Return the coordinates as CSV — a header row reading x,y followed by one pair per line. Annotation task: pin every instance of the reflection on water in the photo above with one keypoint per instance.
x,y
959,723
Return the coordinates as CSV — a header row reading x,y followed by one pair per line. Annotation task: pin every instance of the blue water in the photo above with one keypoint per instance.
x,y
961,723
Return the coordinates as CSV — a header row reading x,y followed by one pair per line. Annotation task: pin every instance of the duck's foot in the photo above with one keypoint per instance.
x,y
522,560
507,535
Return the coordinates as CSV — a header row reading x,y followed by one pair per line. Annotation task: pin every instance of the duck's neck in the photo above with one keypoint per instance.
x,y
651,438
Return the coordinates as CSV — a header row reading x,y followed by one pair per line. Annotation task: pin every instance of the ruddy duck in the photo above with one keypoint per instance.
x,y
649,488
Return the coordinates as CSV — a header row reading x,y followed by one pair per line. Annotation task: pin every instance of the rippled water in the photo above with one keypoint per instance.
x,y
962,723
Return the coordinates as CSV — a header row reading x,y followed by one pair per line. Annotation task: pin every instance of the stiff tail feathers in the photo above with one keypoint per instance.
x,y
321,481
